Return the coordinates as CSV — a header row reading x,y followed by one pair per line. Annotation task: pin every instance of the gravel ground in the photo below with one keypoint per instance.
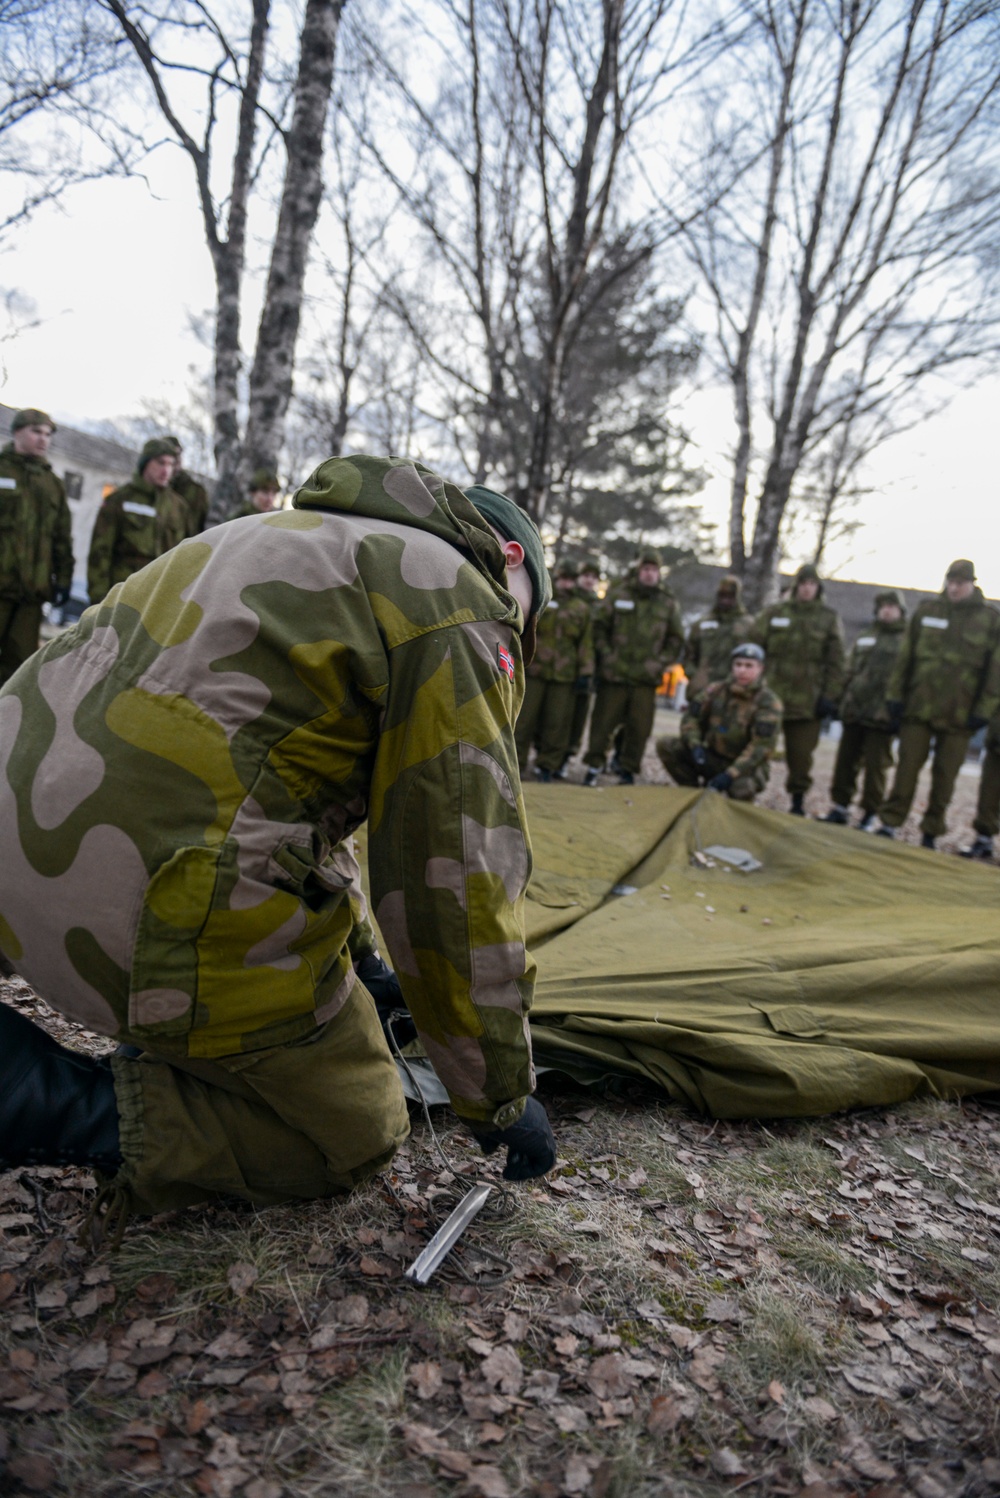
x,y
960,814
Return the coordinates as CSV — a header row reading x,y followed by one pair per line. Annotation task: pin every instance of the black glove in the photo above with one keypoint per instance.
x,y
531,1145
721,782
895,711
699,756
383,985
581,686
826,707
60,596
975,722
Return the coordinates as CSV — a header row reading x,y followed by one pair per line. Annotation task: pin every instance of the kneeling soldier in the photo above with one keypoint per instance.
x,y
177,870
728,736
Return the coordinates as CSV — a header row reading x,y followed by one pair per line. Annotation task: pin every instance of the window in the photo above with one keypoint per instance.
x,y
74,484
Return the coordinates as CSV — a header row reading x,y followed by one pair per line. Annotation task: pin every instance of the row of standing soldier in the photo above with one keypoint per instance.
x,y
932,681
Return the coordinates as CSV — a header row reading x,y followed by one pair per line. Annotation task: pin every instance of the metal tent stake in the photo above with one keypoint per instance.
x,y
447,1235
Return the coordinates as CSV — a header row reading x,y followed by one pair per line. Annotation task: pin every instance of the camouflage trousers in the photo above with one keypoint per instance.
x,y
987,822
305,1120
675,756
871,747
915,741
20,623
632,709
546,720
801,738
581,707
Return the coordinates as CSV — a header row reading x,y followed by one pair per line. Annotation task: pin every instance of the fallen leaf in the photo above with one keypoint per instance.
x,y
372,1266
503,1370
727,1464
32,1471
610,1377
229,1344
776,1391
487,1482
426,1379
241,1277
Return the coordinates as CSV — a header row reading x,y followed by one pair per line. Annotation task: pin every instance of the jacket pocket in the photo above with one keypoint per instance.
x,y
176,906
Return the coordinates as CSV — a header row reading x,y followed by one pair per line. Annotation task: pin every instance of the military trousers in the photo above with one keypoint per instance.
x,y
676,759
20,623
546,720
581,707
915,741
305,1120
801,738
870,747
629,707
987,822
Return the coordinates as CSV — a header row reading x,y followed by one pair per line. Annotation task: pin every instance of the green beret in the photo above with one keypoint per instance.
x,y
889,596
961,571
589,563
806,574
264,478
176,445
746,651
156,447
516,524
31,417
649,556
565,568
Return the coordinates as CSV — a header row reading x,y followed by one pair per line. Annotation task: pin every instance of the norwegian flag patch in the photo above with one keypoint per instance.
x,y
506,661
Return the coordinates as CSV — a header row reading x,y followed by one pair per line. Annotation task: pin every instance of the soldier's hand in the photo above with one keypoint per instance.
x,y
895,711
581,686
699,756
383,985
975,722
826,707
721,782
531,1144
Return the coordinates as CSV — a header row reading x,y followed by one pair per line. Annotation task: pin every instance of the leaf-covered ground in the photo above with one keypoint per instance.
x,y
803,1308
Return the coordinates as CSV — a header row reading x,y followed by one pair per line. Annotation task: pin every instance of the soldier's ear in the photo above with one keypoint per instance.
x,y
513,553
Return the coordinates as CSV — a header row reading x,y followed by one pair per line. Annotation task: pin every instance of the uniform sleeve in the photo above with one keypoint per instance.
x,y
102,545
691,658
763,738
759,629
899,679
833,661
361,942
449,862
695,716
988,699
673,645
585,646
62,545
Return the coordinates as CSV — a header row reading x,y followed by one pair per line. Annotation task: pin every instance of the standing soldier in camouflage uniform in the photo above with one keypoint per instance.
x,y
987,823
637,634
867,735
708,652
177,869
193,494
945,685
137,523
36,544
264,487
587,582
804,645
729,733
564,656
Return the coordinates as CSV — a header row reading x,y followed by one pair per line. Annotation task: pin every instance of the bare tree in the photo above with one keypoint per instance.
x,y
844,267
186,40
58,127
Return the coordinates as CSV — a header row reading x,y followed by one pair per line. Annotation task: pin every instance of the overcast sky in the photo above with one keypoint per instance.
x,y
118,271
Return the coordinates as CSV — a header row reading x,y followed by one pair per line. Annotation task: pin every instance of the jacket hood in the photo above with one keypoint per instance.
x,y
806,573
407,493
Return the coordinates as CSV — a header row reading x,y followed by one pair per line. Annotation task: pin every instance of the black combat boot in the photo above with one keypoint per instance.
x,y
838,815
927,842
798,804
982,848
57,1107
592,776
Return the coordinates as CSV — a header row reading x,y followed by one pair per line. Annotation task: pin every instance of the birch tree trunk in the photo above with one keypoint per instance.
x,y
271,375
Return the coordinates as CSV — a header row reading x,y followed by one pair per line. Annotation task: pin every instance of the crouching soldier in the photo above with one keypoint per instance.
x,y
177,869
728,736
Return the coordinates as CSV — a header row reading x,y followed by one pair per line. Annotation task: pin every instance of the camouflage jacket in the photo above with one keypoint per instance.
x,y
181,771
739,724
804,645
868,672
135,525
195,499
565,647
710,643
36,543
637,634
949,663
